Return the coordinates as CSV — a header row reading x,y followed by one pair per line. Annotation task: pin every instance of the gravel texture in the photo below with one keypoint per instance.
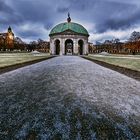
x,y
68,97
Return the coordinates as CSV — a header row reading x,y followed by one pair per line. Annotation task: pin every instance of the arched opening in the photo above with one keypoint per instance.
x,y
80,48
57,47
68,47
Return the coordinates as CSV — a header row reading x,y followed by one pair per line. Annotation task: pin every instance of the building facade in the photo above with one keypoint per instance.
x,y
7,40
69,38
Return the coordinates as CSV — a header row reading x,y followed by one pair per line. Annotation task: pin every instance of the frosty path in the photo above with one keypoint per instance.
x,y
68,97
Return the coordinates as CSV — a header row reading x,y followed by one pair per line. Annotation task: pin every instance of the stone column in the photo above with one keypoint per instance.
x,y
61,46
52,47
75,45
86,47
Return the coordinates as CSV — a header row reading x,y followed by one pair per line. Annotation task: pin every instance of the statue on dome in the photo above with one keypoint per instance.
x,y
69,19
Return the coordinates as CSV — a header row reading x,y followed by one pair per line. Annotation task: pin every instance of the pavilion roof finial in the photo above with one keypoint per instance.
x,y
69,19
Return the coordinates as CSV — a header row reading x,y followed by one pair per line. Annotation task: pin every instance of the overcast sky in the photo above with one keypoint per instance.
x,y
104,19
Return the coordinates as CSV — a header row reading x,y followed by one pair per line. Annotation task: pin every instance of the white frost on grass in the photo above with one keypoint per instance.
x,y
35,52
104,53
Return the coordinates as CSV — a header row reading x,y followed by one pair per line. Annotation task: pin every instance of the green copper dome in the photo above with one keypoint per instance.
x,y
77,28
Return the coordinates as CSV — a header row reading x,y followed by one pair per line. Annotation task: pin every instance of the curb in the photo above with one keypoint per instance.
x,y
126,71
16,66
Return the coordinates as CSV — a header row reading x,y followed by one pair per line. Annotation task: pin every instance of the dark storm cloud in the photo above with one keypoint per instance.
x,y
103,14
116,16
106,15
62,9
48,25
33,11
29,34
7,15
4,7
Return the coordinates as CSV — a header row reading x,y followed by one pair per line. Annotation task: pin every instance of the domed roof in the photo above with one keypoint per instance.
x,y
75,27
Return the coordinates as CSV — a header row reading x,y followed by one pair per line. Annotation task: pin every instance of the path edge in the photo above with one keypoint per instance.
x,y
126,71
20,65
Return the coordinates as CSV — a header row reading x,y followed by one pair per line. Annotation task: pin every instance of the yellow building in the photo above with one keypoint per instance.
x,y
7,40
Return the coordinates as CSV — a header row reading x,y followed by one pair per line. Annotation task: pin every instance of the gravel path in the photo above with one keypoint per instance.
x,y
68,97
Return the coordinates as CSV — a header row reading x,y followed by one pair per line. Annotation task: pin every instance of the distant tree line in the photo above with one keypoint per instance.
x,y
39,45
131,46
19,45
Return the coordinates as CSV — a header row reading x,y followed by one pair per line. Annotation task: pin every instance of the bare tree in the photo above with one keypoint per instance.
x,y
135,36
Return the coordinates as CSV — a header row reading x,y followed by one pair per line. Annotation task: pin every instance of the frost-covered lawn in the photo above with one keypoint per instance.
x,y
7,59
132,62
68,98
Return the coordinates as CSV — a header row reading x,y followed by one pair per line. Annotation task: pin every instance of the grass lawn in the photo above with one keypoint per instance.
x,y
127,61
7,59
